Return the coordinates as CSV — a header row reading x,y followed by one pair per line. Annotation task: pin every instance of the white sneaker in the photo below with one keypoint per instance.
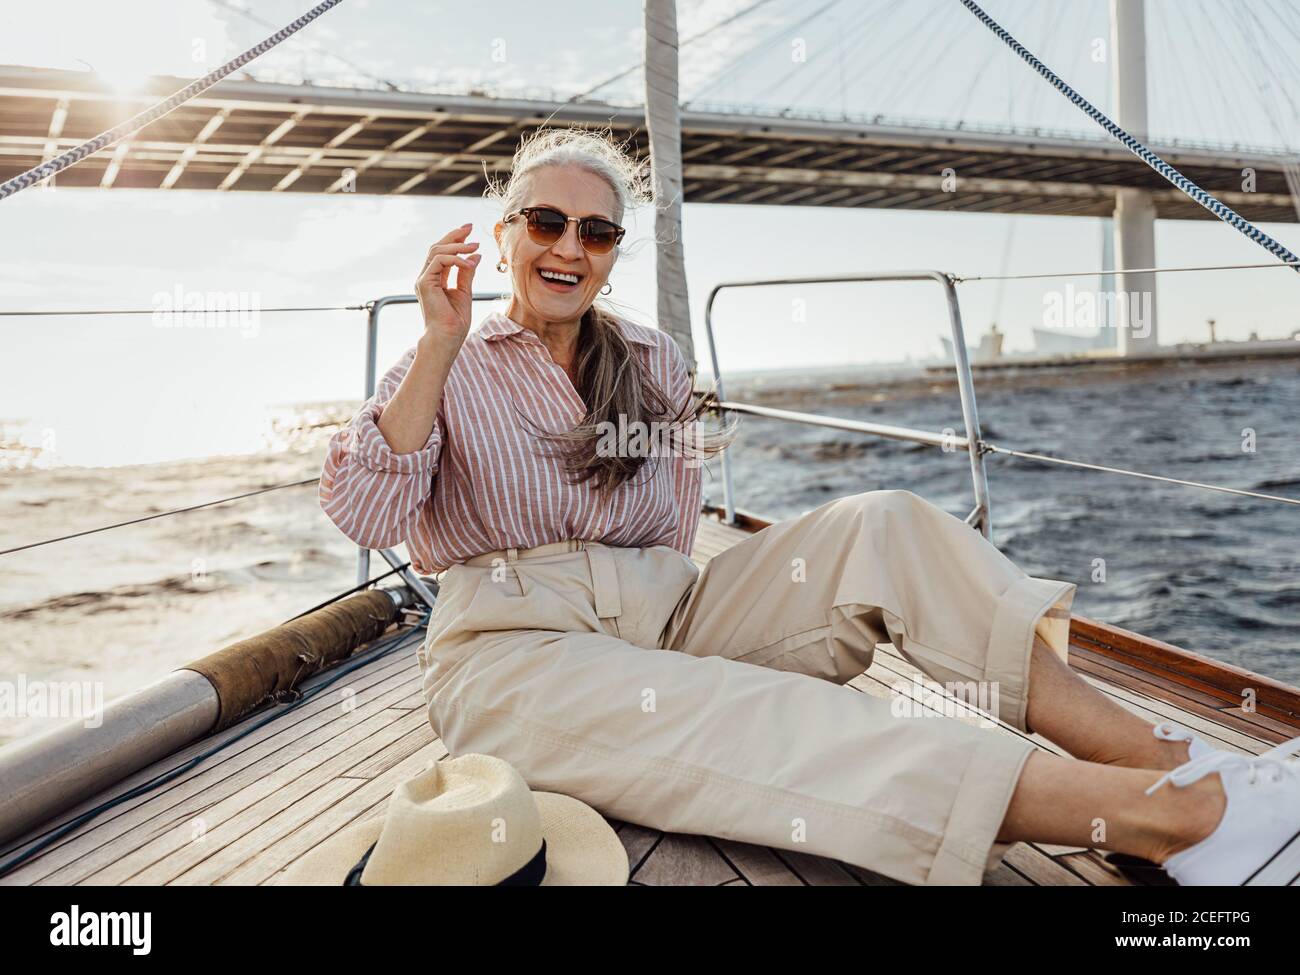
x,y
1168,731
1257,843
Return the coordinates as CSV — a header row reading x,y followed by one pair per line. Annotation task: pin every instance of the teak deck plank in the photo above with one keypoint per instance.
x,y
274,791
124,828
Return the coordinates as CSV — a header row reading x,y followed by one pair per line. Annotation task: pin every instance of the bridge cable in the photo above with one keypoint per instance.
x,y
317,48
743,12
1220,210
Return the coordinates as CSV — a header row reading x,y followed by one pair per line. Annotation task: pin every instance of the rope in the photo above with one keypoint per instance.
x,y
986,447
161,514
1223,212
132,125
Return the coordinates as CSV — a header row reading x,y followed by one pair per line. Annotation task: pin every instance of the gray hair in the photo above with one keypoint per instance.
x,y
596,151
614,383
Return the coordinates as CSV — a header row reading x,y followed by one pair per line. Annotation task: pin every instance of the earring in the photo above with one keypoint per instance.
x,y
502,265
607,289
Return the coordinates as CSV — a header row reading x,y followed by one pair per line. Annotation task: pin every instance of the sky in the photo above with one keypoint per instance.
x,y
121,389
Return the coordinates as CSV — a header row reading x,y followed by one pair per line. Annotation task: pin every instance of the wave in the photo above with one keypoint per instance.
x,y
117,599
1277,484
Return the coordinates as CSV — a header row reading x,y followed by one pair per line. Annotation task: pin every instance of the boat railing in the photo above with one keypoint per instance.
x,y
972,442
980,516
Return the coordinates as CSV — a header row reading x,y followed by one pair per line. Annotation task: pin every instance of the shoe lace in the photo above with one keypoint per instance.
x,y
1169,731
1274,761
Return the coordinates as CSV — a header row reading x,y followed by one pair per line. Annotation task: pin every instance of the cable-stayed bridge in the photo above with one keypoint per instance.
x,y
256,136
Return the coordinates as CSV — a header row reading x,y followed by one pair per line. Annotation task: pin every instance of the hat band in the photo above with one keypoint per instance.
x,y
529,875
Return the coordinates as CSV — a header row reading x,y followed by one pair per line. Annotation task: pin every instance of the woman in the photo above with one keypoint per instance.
x,y
574,637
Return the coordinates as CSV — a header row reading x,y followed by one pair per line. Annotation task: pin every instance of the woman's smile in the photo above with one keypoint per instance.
x,y
557,279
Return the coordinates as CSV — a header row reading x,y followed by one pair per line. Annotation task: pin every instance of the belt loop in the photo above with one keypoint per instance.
x,y
604,581
512,555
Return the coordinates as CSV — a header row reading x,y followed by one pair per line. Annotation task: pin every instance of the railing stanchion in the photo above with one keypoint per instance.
x,y
728,491
371,378
969,412
980,518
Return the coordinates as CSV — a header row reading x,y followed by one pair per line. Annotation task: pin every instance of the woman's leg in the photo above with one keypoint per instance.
x,y
1066,709
712,746
815,594
1076,803
700,743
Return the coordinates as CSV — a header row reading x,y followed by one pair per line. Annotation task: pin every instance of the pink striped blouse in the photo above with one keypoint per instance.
x,y
479,484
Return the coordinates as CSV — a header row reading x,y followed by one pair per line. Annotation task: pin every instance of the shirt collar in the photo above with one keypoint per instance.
x,y
498,326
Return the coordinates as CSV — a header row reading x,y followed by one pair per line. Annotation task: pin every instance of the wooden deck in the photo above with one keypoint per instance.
x,y
281,781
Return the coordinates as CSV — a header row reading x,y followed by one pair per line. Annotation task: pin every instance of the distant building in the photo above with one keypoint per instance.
x,y
1055,341
989,349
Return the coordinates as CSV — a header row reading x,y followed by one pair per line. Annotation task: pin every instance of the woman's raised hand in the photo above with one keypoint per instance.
x,y
447,310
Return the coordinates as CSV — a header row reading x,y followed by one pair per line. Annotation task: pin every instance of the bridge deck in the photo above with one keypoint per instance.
x,y
259,136
278,784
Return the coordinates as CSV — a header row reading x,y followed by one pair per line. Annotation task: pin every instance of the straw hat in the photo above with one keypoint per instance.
x,y
469,821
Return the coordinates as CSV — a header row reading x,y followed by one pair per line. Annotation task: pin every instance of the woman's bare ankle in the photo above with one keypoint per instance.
x,y
1162,755
1183,817
1156,754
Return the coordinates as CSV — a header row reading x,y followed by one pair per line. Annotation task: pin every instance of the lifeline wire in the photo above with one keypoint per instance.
x,y
986,447
131,125
1220,210
160,514
961,278
179,311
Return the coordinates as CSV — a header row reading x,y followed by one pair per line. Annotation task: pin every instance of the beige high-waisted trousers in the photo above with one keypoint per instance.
x,y
709,701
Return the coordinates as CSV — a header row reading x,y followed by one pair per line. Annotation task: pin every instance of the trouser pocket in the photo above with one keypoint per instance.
x,y
651,583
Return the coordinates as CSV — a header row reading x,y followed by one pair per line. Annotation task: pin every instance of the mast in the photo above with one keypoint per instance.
x,y
664,126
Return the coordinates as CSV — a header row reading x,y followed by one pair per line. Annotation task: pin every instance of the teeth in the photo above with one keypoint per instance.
x,y
558,276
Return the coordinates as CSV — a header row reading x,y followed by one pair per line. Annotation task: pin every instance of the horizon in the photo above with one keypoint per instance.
x,y
167,386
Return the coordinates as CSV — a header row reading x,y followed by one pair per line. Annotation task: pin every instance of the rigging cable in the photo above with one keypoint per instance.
x,y
160,514
177,311
992,448
1220,210
961,278
164,107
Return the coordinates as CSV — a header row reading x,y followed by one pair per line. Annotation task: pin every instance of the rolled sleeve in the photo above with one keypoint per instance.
x,y
373,450
372,493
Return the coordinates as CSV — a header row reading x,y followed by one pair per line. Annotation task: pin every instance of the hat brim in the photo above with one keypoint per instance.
x,y
582,849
